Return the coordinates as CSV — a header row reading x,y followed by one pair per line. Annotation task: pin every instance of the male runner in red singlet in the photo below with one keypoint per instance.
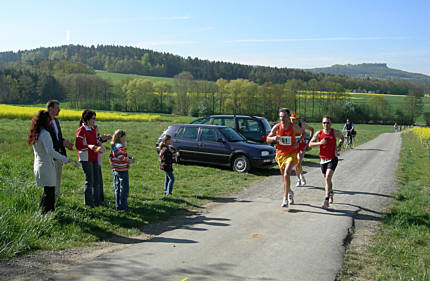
x,y
326,140
286,150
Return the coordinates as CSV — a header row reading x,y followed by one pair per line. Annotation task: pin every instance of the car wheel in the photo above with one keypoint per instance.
x,y
241,164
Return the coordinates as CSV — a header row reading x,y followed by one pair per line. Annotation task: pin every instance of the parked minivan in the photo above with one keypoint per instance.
x,y
253,128
218,145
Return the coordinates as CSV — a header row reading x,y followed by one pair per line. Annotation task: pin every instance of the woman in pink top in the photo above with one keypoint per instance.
x,y
86,144
326,140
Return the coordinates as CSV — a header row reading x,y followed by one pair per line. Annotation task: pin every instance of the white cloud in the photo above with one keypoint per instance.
x,y
314,39
137,19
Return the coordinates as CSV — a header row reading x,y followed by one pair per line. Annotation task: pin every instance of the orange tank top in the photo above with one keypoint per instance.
x,y
285,144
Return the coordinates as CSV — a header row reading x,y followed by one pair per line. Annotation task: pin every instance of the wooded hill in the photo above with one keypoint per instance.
x,y
130,60
67,74
372,70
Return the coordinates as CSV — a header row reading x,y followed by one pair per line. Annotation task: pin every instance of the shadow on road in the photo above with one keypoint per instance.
x,y
348,192
187,220
337,212
368,149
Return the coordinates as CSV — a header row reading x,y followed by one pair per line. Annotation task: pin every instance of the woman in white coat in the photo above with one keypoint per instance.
x,y
44,154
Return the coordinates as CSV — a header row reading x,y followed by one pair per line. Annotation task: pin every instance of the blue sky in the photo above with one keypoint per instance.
x,y
296,34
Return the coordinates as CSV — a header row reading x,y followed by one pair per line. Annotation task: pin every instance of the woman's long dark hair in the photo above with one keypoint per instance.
x,y
39,121
86,115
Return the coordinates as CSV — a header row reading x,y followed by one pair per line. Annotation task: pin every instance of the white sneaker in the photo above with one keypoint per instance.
x,y
303,181
291,198
324,205
298,183
284,203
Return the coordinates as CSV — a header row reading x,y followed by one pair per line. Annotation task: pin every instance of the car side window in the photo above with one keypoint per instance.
x,y
187,133
249,126
224,121
209,134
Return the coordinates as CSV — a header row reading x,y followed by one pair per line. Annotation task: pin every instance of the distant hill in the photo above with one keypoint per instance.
x,y
371,70
131,60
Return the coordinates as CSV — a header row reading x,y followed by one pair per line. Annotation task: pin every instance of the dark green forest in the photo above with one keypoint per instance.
x,y
200,87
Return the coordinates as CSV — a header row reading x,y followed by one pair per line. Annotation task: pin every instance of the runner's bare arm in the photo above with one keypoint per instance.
x,y
309,128
272,136
314,141
302,134
338,134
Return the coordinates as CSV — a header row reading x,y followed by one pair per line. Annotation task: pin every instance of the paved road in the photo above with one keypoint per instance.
x,y
250,237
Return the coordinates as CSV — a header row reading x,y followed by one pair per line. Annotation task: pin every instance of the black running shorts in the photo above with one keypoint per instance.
x,y
332,164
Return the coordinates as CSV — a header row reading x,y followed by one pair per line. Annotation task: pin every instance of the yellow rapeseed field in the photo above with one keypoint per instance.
x,y
27,112
423,134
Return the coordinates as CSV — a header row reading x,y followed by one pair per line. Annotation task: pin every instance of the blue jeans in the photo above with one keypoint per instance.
x,y
120,189
169,179
92,184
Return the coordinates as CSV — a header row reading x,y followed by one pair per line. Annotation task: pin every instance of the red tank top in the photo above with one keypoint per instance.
x,y
285,144
328,150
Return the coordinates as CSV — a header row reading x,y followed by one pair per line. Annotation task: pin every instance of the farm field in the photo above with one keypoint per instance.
x,y
360,98
73,223
117,77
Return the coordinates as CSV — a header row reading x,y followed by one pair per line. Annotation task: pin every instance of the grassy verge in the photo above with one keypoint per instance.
x,y
24,229
401,248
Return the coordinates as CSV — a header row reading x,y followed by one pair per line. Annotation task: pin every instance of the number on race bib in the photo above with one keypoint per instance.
x,y
286,140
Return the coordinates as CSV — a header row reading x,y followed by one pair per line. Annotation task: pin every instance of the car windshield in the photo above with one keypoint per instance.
x,y
231,135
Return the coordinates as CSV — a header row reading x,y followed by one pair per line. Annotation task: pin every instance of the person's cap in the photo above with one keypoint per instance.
x,y
294,116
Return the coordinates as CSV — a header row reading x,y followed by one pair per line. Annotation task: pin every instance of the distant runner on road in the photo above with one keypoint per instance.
x,y
326,140
286,150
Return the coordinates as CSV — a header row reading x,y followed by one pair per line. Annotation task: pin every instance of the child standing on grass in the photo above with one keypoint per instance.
x,y
120,163
166,161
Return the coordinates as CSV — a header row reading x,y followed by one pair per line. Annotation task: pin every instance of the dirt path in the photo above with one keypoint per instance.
x,y
245,238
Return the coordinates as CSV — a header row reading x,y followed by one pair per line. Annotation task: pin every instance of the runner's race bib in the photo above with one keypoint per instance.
x,y
286,140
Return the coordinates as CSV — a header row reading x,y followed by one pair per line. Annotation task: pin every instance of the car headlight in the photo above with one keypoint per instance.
x,y
265,153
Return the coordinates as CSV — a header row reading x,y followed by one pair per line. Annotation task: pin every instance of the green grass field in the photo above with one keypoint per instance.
x,y
117,77
401,249
24,229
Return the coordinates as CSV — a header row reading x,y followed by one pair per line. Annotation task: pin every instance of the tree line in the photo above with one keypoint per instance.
x,y
130,60
77,84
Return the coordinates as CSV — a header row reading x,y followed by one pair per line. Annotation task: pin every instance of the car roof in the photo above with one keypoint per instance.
x,y
231,115
201,125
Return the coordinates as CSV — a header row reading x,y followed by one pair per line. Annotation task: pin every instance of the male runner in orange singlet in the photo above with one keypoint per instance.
x,y
286,150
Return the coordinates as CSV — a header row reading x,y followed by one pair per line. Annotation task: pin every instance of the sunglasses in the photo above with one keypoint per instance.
x,y
326,122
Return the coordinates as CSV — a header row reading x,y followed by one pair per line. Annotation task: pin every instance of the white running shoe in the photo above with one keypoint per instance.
x,y
299,183
303,181
291,198
284,203
325,204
